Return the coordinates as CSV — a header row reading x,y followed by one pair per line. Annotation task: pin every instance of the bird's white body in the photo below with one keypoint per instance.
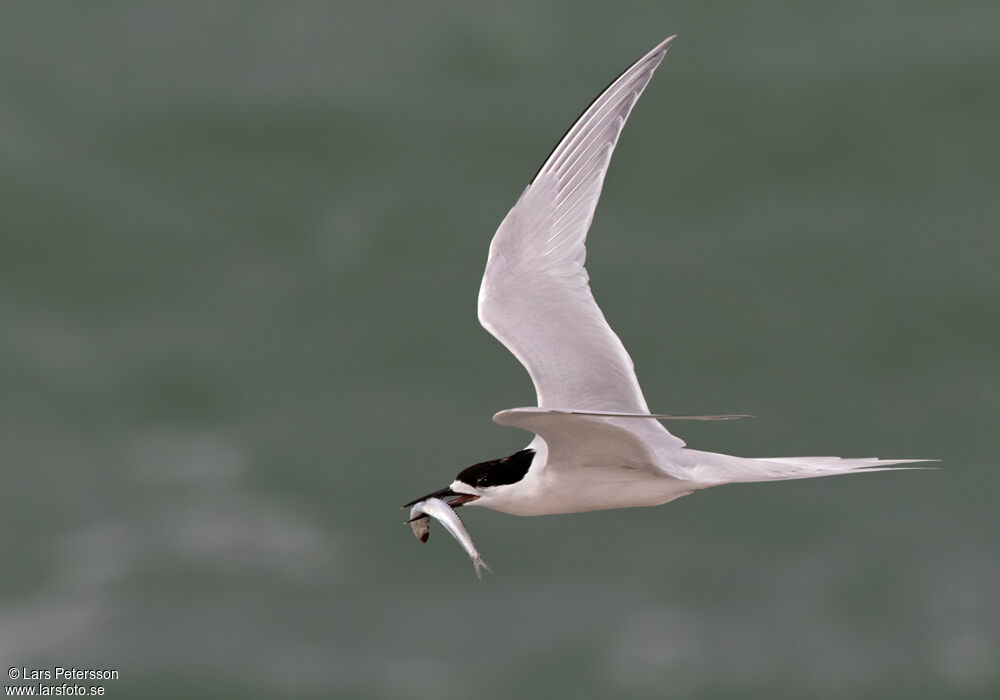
x,y
596,445
546,489
611,466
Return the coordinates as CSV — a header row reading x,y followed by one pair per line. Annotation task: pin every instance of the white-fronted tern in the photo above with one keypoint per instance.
x,y
596,445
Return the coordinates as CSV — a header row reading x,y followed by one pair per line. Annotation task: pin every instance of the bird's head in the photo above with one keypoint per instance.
x,y
483,480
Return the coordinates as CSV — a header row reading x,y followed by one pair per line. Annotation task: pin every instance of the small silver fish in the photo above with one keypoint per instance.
x,y
436,508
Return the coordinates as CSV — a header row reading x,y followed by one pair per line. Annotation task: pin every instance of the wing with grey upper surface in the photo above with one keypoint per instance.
x,y
535,295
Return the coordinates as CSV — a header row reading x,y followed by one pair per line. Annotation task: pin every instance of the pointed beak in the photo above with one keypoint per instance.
x,y
459,500
443,493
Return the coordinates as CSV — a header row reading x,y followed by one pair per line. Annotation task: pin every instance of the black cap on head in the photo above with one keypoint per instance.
x,y
498,472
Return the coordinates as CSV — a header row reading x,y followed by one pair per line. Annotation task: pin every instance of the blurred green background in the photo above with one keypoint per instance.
x,y
240,248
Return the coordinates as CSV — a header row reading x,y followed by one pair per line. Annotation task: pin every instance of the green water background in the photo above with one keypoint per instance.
x,y
240,246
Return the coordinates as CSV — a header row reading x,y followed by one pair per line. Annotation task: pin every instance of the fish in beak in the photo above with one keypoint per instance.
x,y
459,500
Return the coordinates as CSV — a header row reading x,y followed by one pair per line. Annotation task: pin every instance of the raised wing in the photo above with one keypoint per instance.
x,y
535,297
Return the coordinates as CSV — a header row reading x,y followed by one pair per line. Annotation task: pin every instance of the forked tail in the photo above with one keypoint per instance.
x,y
714,469
783,468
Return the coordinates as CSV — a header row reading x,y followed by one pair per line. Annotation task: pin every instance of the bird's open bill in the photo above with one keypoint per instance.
x,y
460,500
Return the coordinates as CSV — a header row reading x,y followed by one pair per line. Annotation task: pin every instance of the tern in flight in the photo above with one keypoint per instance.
x,y
596,445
